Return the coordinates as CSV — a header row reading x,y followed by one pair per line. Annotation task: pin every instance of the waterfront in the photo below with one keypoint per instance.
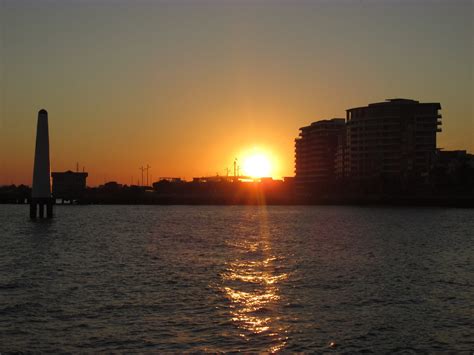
x,y
248,278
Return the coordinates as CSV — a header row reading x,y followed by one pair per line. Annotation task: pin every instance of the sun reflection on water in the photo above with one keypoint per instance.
x,y
250,283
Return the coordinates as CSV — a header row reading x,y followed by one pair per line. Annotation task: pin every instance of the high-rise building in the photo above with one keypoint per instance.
x,y
395,139
315,153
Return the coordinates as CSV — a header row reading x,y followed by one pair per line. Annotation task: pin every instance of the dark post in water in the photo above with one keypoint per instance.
x,y
41,191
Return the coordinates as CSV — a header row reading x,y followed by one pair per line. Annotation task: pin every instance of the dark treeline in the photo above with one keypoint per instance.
x,y
194,193
453,186
15,194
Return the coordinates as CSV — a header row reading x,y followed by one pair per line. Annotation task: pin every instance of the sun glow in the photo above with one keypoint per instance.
x,y
257,165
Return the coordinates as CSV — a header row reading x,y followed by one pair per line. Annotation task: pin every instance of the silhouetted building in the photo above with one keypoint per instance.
x,y
453,169
315,153
215,178
393,140
69,185
340,162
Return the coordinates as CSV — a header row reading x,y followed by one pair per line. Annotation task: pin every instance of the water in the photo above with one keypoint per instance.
x,y
182,278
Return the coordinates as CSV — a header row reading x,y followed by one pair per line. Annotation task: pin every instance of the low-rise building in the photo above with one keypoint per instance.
x,y
69,185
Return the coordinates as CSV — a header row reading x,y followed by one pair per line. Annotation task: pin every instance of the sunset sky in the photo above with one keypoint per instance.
x,y
187,86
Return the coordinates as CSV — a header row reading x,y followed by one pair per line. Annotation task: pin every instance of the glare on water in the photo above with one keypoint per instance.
x,y
236,279
254,293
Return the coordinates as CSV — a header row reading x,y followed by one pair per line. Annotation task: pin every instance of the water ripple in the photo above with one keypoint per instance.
x,y
228,279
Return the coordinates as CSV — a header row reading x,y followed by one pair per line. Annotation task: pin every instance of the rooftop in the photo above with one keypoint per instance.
x,y
332,122
397,101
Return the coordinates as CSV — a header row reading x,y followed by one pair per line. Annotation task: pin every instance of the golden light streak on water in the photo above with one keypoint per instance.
x,y
251,285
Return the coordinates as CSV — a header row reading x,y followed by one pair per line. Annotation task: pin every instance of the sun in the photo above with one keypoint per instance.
x,y
257,165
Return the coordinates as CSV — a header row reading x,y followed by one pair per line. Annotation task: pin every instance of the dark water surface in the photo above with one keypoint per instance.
x,y
182,278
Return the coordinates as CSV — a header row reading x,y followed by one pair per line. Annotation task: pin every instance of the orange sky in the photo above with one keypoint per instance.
x,y
188,86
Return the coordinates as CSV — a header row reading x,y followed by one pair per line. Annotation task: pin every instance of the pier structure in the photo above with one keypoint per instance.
x,y
41,198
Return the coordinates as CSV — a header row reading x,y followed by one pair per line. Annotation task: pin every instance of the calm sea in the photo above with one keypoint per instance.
x,y
235,278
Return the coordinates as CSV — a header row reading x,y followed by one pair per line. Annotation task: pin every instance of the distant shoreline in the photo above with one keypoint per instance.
x,y
467,202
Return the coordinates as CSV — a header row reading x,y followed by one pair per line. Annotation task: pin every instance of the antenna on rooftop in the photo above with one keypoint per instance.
x,y
235,169
147,168
142,169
